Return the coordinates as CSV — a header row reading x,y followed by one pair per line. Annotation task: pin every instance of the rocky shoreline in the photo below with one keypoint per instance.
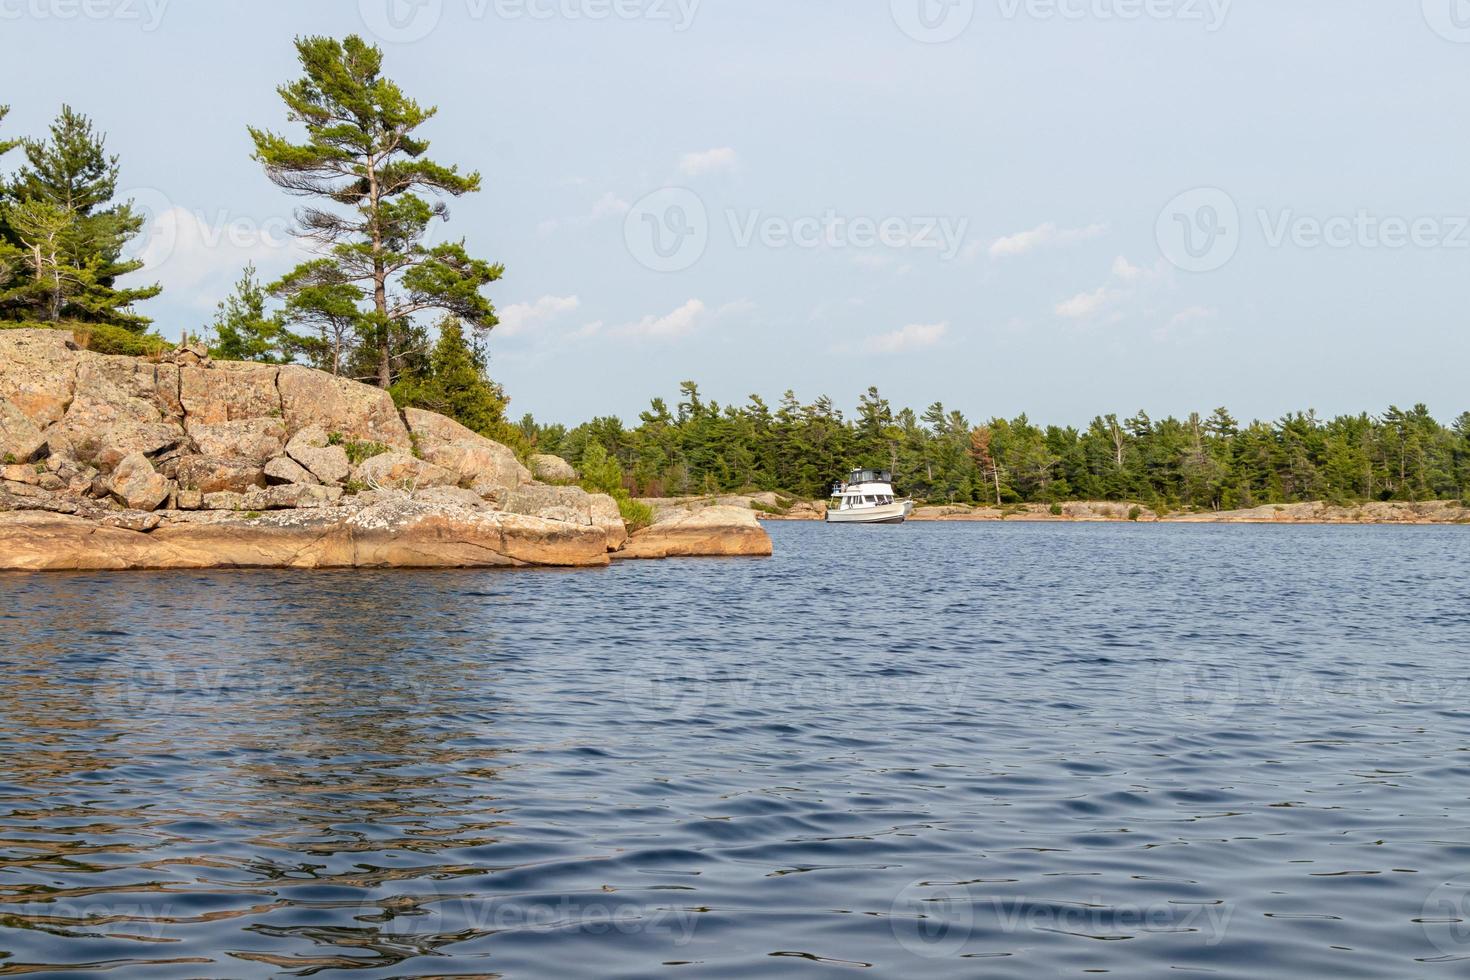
x,y
111,462
775,507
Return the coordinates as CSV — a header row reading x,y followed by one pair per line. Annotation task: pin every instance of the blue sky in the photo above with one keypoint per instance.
x,y
1061,207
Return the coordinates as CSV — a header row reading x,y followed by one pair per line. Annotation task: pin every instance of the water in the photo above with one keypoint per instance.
x,y
935,750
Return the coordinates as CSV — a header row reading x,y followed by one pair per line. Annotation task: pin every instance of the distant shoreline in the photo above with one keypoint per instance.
x,y
775,507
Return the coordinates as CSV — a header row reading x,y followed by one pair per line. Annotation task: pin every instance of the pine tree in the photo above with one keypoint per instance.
x,y
361,154
71,174
453,383
243,331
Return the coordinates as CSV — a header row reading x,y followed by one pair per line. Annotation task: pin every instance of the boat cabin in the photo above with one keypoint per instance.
x,y
863,489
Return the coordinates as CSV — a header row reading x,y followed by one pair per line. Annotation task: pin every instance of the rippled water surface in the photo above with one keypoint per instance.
x,y
934,750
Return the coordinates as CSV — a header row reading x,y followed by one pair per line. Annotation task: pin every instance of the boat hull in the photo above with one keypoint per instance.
x,y
886,514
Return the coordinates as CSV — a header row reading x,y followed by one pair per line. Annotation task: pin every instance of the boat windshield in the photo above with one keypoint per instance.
x,y
870,476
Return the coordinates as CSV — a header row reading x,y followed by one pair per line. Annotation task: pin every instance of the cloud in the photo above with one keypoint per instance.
x,y
1125,282
708,162
190,252
1040,237
915,336
1190,321
609,205
677,324
521,317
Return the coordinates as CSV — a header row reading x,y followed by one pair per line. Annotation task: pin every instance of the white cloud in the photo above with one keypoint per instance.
x,y
1085,304
520,317
1125,282
190,252
679,323
708,162
915,336
1041,236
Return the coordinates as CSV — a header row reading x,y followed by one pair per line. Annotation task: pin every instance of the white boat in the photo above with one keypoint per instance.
x,y
867,498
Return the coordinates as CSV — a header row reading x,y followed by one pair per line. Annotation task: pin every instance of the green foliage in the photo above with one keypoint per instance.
x,y
360,153
62,236
452,381
1135,512
243,331
357,452
1056,510
602,473
1204,462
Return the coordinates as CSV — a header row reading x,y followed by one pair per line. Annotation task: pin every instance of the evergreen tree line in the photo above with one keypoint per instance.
x,y
939,456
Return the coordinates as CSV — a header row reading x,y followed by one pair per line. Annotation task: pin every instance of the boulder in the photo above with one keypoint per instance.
x,y
121,406
553,469
394,533
606,515
212,474
229,391
700,531
359,412
402,471
482,465
24,473
570,504
284,469
189,500
137,486
254,440
20,439
327,463
38,373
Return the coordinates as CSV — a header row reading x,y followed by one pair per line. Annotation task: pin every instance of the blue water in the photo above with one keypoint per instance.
x,y
935,750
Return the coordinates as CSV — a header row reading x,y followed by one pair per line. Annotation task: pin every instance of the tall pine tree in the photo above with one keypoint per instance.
x,y
71,233
363,163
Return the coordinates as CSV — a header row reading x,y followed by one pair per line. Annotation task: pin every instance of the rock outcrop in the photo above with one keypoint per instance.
x,y
183,462
696,531
553,469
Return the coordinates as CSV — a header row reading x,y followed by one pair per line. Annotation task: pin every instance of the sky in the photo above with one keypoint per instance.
x,y
1056,207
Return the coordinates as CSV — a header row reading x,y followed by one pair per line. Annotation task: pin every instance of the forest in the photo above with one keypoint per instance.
x,y
1209,462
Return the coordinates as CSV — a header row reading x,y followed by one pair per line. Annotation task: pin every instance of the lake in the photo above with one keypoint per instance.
x,y
940,750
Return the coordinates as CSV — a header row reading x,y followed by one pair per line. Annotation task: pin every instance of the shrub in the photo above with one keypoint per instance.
x,y
1135,512
635,514
1056,510
102,338
357,452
